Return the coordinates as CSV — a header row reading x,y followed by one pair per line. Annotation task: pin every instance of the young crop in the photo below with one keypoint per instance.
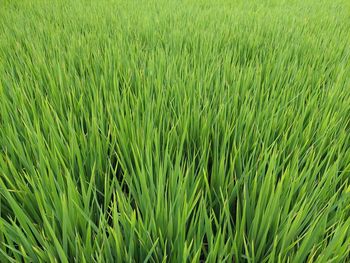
x,y
174,131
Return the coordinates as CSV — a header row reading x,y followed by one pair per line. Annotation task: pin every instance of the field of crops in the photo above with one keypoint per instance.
x,y
174,131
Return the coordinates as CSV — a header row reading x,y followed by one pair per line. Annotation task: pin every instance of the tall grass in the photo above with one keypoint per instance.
x,y
174,131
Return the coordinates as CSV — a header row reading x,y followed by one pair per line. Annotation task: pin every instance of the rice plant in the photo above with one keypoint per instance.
x,y
174,131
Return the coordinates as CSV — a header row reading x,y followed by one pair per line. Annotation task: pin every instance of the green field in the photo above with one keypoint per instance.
x,y
175,131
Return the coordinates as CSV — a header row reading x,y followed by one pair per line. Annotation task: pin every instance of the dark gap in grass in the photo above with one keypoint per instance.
x,y
5,210
204,251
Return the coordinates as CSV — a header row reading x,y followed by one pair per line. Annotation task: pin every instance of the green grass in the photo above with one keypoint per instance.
x,y
174,131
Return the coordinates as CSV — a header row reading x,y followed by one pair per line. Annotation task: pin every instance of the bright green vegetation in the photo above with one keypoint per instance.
x,y
174,131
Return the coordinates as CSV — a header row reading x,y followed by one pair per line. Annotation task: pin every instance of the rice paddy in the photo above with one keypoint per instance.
x,y
174,131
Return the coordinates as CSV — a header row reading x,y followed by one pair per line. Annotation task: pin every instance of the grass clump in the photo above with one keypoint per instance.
x,y
174,131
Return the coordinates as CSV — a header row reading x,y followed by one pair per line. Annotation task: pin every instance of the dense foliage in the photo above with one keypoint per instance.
x,y
174,131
